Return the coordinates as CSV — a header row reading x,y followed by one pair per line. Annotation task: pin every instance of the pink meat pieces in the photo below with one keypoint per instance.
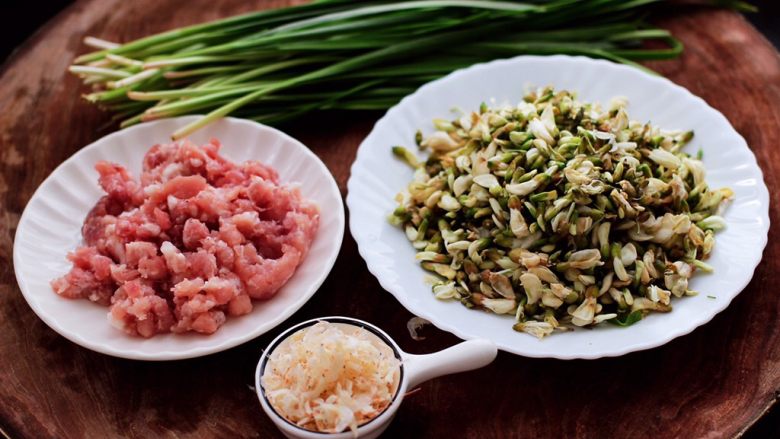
x,y
138,310
90,277
118,184
191,244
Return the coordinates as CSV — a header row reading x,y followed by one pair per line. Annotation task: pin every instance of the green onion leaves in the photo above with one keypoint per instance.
x,y
281,64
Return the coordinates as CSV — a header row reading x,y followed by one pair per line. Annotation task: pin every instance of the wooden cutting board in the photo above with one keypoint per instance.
x,y
714,382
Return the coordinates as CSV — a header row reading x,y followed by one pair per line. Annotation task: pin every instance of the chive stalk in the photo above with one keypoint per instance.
x,y
324,52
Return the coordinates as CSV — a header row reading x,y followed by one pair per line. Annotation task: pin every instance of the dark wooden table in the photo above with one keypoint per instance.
x,y
716,381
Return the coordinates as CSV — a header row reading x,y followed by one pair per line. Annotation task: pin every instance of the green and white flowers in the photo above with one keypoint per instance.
x,y
559,213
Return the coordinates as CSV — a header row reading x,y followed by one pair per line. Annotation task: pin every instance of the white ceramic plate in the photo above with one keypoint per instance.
x,y
50,227
376,178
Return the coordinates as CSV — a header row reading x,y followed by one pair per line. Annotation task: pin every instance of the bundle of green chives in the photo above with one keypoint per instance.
x,y
277,65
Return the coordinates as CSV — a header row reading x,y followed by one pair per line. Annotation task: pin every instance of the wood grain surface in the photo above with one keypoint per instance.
x,y
714,382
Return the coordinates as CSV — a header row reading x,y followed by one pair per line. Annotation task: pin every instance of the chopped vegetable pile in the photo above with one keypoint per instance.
x,y
559,212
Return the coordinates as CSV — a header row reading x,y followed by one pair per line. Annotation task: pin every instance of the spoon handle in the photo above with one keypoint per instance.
x,y
462,357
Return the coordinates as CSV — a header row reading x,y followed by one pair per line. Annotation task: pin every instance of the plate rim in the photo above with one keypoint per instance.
x,y
418,310
198,351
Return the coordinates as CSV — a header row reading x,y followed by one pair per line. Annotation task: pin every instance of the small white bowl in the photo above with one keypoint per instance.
x,y
50,227
415,369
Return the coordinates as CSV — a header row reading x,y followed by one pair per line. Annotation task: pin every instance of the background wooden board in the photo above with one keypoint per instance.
x,y
714,382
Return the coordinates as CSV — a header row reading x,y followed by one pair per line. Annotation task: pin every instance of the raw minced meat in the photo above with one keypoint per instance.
x,y
191,243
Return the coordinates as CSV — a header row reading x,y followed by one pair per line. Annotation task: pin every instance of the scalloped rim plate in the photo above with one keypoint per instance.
x,y
51,226
376,178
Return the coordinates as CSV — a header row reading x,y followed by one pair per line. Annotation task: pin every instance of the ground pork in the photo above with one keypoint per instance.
x,y
190,244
